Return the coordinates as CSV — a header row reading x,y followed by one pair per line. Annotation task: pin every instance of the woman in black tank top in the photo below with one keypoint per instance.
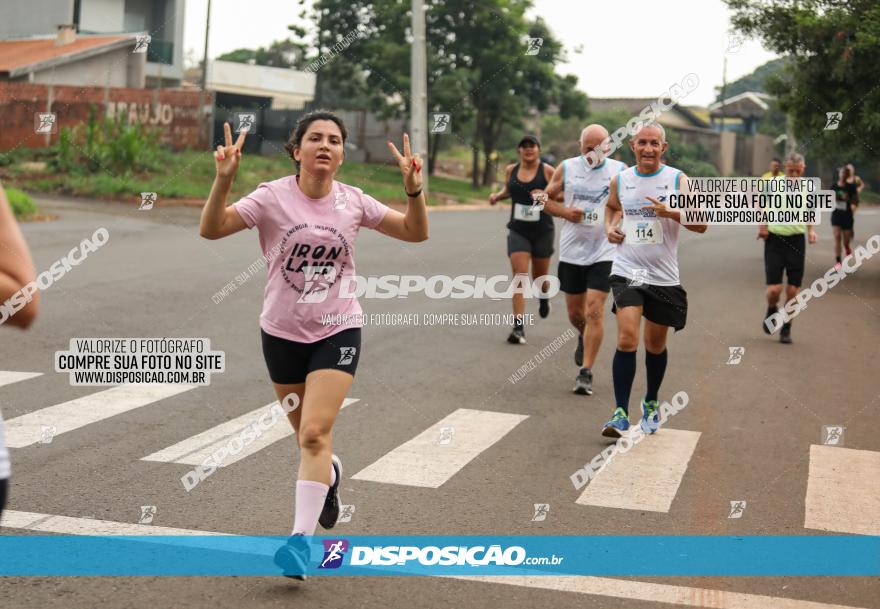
x,y
531,235
521,194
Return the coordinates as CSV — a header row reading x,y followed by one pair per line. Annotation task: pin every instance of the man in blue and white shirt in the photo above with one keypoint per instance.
x,y
644,276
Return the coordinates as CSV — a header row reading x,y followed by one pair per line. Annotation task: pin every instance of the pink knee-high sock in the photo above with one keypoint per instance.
x,y
310,497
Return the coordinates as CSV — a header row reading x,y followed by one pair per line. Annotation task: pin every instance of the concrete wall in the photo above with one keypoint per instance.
x,y
370,135
166,25
102,15
709,140
733,153
753,154
727,153
136,70
289,89
178,116
110,69
137,15
20,19
179,8
762,153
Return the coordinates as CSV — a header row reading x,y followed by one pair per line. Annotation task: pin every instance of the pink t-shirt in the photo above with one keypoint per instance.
x,y
309,245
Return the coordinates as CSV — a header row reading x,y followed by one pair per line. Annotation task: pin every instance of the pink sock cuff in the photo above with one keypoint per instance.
x,y
313,484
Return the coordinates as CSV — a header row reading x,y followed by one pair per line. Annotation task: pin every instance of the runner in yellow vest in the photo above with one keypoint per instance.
x,y
785,251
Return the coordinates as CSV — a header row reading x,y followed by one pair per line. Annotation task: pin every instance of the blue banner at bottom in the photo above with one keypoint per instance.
x,y
436,556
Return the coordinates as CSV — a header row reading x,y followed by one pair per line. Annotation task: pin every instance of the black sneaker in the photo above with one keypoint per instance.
x,y
293,557
583,384
543,307
579,352
785,335
330,513
517,337
770,312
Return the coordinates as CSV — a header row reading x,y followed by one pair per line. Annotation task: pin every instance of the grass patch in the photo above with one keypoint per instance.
x,y
189,174
21,203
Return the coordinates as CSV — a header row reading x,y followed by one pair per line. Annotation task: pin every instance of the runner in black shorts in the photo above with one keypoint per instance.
x,y
531,229
645,280
663,305
585,253
290,362
784,255
846,195
785,252
307,224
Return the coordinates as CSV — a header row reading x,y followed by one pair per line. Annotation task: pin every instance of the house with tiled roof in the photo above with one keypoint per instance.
x,y
91,30
71,59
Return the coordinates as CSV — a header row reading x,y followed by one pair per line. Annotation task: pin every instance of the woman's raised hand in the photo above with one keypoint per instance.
x,y
227,158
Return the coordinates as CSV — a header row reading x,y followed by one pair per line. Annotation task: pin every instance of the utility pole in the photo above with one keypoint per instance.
x,y
790,140
205,54
419,89
209,124
724,93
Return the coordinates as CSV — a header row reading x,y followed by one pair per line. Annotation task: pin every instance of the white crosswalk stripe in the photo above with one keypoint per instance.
x,y
194,450
647,476
842,490
438,453
27,429
7,377
650,479
653,592
47,523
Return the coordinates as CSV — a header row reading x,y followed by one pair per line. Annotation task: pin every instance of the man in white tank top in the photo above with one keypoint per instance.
x,y
585,254
644,275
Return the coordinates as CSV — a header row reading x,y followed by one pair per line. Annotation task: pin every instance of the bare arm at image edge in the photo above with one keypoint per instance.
x,y
16,266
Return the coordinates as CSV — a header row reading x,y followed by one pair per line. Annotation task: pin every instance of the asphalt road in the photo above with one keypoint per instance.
x,y
753,423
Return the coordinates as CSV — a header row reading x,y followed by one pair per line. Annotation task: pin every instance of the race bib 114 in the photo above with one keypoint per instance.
x,y
644,232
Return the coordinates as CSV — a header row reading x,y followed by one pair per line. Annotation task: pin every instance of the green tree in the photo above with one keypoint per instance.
x,y
478,69
773,122
280,54
756,81
692,159
834,49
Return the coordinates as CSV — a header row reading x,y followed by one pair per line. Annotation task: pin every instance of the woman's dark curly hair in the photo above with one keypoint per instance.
x,y
302,125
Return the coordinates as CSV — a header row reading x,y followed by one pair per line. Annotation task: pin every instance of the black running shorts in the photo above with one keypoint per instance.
x,y
539,244
784,253
666,305
4,485
289,362
842,218
577,278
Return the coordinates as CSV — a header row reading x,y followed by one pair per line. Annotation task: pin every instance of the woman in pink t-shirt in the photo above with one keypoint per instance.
x,y
16,272
311,330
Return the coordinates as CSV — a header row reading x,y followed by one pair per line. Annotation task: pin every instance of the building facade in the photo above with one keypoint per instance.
x,y
162,20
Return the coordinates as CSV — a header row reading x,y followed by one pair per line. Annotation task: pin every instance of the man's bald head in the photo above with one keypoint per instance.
x,y
594,138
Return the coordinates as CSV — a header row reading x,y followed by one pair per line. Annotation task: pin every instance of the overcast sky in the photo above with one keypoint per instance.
x,y
630,48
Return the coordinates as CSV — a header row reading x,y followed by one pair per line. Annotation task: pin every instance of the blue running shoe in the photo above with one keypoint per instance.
x,y
618,424
293,557
650,422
